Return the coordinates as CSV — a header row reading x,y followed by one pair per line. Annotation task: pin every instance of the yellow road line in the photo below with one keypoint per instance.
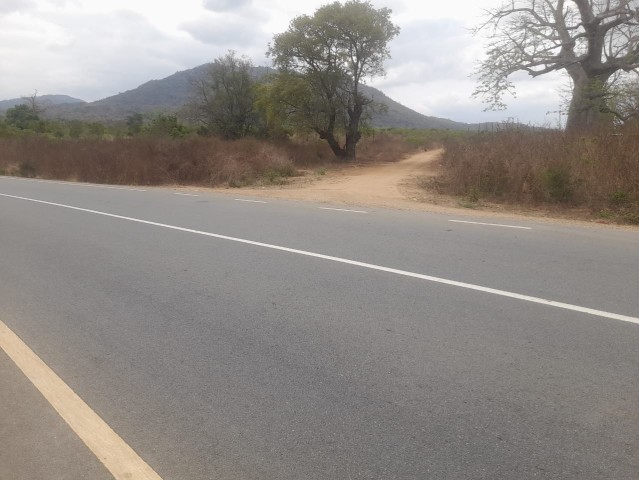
x,y
108,446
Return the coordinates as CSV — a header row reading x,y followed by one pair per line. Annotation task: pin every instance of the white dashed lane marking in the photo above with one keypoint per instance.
x,y
342,210
491,224
247,200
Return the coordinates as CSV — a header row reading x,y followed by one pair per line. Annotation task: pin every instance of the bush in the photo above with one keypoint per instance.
x,y
27,170
556,184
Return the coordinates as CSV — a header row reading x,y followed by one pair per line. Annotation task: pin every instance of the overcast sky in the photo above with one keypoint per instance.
x,y
91,49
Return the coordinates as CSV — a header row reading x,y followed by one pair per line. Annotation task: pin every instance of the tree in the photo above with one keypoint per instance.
x,y
225,97
76,128
34,104
166,126
22,117
624,101
289,103
593,41
324,60
96,129
134,124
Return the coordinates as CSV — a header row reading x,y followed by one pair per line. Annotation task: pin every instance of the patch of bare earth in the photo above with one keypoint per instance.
x,y
391,185
401,185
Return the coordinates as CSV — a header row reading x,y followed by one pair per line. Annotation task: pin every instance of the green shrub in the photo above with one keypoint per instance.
x,y
619,198
557,183
27,170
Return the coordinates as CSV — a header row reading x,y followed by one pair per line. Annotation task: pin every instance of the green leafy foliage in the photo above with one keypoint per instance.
x,y
22,117
226,96
134,123
166,126
323,61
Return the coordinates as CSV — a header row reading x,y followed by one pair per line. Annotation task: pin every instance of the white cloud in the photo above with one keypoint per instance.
x,y
225,5
95,49
226,31
11,6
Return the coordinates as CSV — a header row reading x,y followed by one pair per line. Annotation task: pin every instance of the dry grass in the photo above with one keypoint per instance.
x,y
145,161
384,147
374,148
599,172
189,161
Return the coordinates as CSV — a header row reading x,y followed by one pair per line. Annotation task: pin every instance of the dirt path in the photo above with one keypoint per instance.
x,y
384,185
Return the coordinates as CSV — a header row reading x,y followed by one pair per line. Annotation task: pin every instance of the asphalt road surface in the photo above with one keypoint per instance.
x,y
222,338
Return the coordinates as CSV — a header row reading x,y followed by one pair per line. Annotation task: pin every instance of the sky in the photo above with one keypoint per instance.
x,y
92,49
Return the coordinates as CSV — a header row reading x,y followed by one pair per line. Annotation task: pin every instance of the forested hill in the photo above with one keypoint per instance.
x,y
44,100
170,94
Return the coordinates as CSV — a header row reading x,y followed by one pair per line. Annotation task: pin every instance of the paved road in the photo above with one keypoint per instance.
x,y
221,359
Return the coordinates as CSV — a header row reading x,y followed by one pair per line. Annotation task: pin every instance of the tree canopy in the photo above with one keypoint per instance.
x,y
225,97
594,41
21,116
323,61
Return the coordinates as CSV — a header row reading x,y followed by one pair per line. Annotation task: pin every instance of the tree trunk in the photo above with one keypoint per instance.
x,y
588,109
329,136
353,134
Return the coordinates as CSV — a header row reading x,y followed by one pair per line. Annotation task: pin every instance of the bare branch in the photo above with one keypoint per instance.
x,y
589,39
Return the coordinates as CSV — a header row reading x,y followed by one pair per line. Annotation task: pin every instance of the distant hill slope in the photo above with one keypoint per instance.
x,y
400,116
170,94
167,95
45,100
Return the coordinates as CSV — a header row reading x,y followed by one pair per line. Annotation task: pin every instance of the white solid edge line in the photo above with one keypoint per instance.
x,y
342,210
429,278
247,200
114,453
75,184
491,224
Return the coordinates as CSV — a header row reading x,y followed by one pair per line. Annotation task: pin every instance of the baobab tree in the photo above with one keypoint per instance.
x,y
593,41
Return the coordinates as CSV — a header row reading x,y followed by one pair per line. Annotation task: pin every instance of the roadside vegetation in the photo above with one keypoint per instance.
x,y
598,173
162,158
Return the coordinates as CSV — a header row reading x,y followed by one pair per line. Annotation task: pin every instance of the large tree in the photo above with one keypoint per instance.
x,y
324,59
225,96
22,117
624,101
593,41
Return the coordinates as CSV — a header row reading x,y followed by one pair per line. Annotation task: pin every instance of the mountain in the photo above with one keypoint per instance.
x,y
397,115
170,94
167,95
45,100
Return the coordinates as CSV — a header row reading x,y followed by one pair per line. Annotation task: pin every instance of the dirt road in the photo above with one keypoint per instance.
x,y
383,185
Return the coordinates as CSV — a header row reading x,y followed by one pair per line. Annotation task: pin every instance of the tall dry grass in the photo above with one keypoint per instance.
x,y
384,147
600,172
146,161
189,161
